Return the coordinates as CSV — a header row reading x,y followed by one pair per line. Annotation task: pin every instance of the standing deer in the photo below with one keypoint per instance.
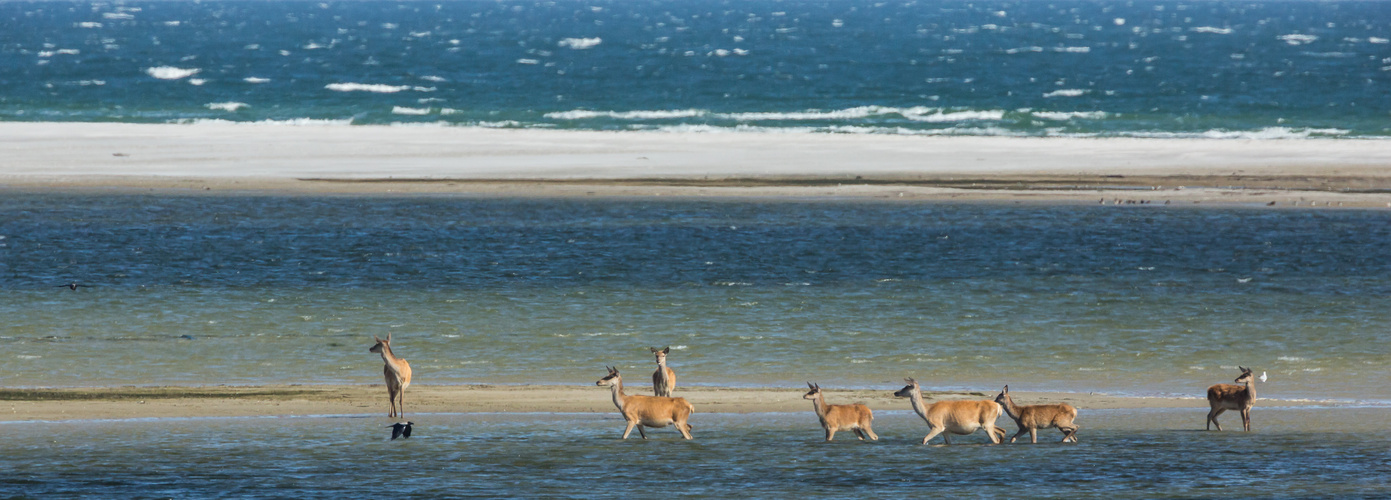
x,y
397,372
648,411
954,417
1223,397
664,379
1031,418
853,417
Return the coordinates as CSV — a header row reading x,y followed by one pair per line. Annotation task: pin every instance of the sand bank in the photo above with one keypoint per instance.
x,y
291,400
238,158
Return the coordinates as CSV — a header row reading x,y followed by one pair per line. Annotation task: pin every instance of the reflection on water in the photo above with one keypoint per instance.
x,y
255,290
1123,454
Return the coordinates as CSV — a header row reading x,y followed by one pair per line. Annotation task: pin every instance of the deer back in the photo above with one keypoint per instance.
x,y
1229,395
963,412
848,415
657,408
1044,416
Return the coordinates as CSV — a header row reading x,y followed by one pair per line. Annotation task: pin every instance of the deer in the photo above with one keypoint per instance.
x,y
1031,418
664,379
1223,397
954,417
852,417
648,411
397,372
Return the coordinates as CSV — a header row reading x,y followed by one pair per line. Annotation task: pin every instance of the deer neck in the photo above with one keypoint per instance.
x,y
618,396
819,404
918,405
1011,409
1251,390
392,362
662,368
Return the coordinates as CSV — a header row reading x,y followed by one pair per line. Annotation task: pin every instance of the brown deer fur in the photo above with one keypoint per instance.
x,y
1031,418
954,417
1223,397
397,372
854,417
648,411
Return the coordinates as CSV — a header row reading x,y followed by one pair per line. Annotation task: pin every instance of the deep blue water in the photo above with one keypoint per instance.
x,y
1109,68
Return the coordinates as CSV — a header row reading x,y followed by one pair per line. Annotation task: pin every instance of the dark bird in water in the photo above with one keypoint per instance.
x,y
72,286
400,430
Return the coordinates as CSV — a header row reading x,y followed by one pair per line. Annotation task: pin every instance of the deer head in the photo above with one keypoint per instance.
x,y
813,393
610,379
377,348
1003,398
661,355
1246,375
908,390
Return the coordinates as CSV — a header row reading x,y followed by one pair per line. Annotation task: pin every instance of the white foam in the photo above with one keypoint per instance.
x,y
88,25
28,356
1298,39
1292,359
1212,30
296,122
226,106
253,79
1378,40
528,61
196,81
1068,115
431,78
1073,50
170,72
956,116
400,110
580,114
172,23
366,87
580,43
117,16
1067,93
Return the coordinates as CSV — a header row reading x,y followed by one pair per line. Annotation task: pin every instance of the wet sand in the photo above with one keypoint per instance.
x,y
300,400
381,160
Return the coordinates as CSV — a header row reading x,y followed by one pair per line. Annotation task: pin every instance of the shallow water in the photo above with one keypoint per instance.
x,y
1122,454
266,290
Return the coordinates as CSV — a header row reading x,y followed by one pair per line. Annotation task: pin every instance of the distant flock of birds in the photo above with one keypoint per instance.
x,y
943,418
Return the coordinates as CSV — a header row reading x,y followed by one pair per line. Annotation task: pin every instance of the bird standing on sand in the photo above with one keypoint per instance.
x,y
73,286
401,430
1262,377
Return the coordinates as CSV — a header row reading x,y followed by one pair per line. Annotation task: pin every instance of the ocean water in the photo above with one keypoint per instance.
x,y
1146,301
1285,69
1296,453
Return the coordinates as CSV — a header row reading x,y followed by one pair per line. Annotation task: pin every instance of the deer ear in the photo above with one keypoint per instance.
x,y
667,350
376,338
1006,391
653,349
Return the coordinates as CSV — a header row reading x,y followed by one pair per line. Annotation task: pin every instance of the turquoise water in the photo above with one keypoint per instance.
x,y
272,290
1123,454
1160,68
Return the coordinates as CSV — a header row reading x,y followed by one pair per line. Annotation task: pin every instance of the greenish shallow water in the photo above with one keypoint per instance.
x,y
1122,454
265,290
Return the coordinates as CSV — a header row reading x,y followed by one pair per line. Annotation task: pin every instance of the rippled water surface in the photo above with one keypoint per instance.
x,y
261,290
1122,454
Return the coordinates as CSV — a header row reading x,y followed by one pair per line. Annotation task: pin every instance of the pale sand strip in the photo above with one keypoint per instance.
x,y
487,162
291,400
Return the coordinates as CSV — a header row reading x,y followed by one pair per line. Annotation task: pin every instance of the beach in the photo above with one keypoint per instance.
x,y
431,160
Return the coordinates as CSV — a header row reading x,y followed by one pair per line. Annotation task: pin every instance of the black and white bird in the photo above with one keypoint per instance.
x,y
73,286
401,430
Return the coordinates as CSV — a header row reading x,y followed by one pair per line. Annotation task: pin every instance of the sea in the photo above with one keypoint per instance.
x,y
1093,68
1139,301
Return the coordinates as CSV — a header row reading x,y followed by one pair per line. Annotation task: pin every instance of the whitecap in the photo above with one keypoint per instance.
x,y
366,87
956,116
170,72
1298,39
226,106
528,61
401,110
1212,30
253,79
196,81
1068,115
28,356
172,23
580,43
1073,50
1292,359
294,122
430,78
581,114
117,16
1378,40
678,348
1067,93
88,25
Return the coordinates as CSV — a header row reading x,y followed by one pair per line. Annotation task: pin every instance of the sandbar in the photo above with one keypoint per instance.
x,y
232,158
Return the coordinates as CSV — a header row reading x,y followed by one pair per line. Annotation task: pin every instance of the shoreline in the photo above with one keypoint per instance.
x,y
250,159
286,400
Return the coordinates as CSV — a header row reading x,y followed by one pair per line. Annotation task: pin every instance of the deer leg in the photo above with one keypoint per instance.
x,y
830,433
871,433
642,432
629,430
1069,433
995,434
1212,418
859,434
403,402
1022,431
1246,419
685,429
1033,436
935,431
391,401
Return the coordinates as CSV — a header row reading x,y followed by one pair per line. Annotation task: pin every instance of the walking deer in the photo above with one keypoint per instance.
x,y
954,417
1223,397
648,411
853,417
1031,418
397,372
664,379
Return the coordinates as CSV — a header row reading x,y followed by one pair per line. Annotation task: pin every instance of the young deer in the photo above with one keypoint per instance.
x,y
664,379
854,417
648,411
1223,397
397,372
954,417
1031,418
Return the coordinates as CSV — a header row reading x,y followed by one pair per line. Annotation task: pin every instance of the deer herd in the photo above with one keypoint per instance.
x,y
945,418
